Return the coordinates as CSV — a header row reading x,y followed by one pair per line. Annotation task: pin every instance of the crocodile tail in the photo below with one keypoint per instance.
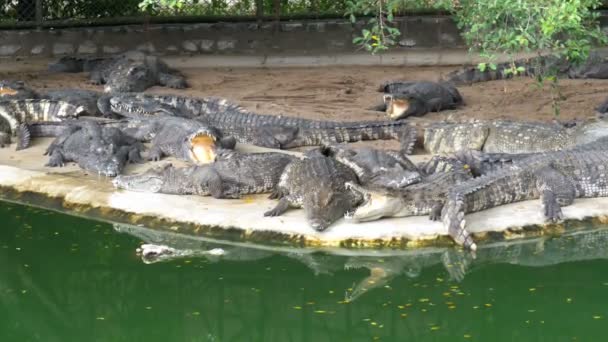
x,y
22,111
371,130
452,216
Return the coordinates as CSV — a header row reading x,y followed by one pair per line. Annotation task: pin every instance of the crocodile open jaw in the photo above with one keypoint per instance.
x,y
202,149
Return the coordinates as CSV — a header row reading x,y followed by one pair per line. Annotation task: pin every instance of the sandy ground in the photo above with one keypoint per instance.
x,y
344,93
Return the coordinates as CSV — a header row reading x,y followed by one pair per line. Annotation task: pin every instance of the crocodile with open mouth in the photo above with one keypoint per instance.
x,y
274,131
231,175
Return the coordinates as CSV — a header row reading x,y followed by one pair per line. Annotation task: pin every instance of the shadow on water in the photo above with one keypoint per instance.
x,y
69,279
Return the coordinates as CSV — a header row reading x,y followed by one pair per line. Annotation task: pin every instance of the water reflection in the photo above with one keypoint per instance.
x,y
69,279
161,246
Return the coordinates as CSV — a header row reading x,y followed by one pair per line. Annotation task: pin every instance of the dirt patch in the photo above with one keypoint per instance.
x,y
345,93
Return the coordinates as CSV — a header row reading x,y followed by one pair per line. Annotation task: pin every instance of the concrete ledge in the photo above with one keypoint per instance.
x,y
70,190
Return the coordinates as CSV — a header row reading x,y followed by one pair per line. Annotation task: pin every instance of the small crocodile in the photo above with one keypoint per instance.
x,y
17,114
130,71
403,99
273,131
95,148
381,168
316,183
232,175
596,66
506,136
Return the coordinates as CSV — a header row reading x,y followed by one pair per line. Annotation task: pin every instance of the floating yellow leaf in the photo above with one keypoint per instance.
x,y
532,289
423,300
374,323
403,315
401,306
320,311
433,328
100,318
196,313
148,308
297,307
597,317
488,305
452,307
439,279
466,336
568,300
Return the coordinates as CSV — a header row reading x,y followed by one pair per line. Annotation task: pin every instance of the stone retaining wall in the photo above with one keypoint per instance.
x,y
308,37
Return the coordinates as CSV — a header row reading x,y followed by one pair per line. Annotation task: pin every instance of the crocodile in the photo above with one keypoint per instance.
x,y
596,66
506,136
382,168
274,131
232,175
95,148
90,100
186,139
17,114
130,71
424,198
557,178
317,184
403,99
16,90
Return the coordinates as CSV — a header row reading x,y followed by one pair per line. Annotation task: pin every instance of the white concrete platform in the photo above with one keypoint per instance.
x,y
23,178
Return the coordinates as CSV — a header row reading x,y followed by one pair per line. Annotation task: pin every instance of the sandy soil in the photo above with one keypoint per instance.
x,y
344,93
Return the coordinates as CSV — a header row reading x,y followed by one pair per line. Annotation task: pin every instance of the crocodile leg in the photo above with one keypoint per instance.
x,y
280,208
96,78
171,81
555,190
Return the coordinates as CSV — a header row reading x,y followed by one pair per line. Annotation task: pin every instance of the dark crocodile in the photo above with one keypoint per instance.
x,y
17,114
232,175
506,136
88,99
381,168
131,71
186,139
273,131
316,184
596,66
95,148
403,99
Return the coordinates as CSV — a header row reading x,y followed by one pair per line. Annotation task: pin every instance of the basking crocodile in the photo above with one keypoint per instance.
x,y
506,136
557,178
273,131
130,71
186,139
403,99
424,198
88,99
95,148
596,66
382,168
16,90
17,114
317,184
232,175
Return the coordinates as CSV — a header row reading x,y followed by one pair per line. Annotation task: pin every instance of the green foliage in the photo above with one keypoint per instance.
x,y
512,26
380,33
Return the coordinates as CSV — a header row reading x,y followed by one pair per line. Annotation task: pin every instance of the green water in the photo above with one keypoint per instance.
x,y
69,279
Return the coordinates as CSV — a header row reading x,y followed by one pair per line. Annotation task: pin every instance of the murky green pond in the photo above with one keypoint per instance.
x,y
69,279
